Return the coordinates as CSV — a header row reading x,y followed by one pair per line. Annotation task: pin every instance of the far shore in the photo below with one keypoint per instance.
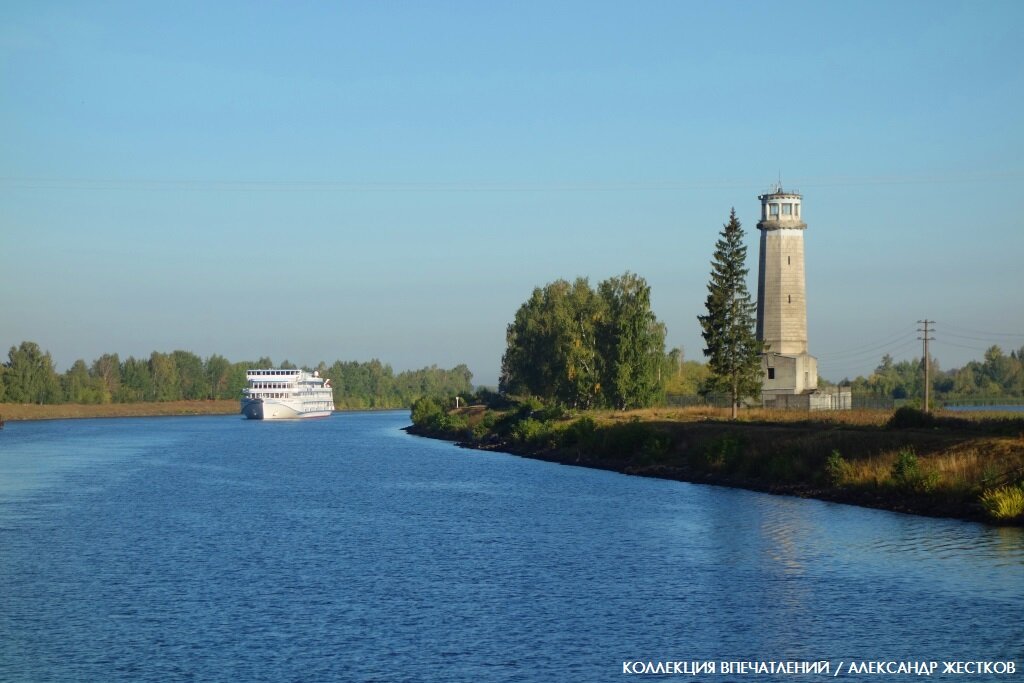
x,y
63,411
18,412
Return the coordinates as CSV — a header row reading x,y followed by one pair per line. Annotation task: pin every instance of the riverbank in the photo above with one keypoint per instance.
x,y
63,411
15,412
945,467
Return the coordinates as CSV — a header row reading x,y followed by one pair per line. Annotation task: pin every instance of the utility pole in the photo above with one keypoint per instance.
x,y
927,358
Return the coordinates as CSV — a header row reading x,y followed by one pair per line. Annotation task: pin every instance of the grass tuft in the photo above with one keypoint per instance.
x,y
1005,502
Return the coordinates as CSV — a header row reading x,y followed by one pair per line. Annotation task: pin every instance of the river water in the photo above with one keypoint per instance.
x,y
342,549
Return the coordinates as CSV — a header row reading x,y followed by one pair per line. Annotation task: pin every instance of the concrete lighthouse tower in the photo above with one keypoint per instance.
x,y
789,371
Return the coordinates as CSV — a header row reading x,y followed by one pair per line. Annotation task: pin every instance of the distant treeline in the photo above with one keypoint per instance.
x,y
996,376
29,376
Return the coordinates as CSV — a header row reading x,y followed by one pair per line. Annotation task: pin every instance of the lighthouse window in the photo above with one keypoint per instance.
x,y
771,373
787,209
788,262
774,209
789,298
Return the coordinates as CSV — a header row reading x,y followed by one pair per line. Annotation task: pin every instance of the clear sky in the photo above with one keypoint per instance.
x,y
322,181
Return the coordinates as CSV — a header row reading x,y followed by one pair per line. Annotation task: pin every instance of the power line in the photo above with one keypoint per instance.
x,y
872,346
313,185
964,336
891,351
985,334
961,346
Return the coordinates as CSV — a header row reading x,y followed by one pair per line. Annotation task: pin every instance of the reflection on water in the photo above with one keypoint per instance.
x,y
220,549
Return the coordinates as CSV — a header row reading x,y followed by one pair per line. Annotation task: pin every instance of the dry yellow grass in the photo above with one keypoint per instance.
x,y
852,418
965,465
21,411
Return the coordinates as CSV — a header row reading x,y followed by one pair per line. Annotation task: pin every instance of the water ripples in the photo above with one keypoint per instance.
x,y
217,549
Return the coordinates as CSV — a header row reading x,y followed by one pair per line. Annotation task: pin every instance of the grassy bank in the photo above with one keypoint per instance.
x,y
18,411
963,467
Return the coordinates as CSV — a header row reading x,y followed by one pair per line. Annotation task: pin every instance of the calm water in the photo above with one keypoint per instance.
x,y
215,549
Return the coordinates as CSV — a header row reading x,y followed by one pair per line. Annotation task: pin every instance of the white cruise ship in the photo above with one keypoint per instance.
x,y
275,394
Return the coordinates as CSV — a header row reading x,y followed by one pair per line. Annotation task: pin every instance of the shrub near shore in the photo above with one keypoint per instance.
x,y
942,466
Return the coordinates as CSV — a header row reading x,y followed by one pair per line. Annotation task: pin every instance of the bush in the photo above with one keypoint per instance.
x,y
452,423
626,440
1005,502
580,433
530,431
479,431
529,406
426,413
837,469
550,412
910,418
908,476
723,452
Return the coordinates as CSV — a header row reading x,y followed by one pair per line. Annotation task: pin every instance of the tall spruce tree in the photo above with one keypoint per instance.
x,y
733,350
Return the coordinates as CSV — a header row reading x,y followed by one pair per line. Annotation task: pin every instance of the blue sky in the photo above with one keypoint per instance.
x,y
321,181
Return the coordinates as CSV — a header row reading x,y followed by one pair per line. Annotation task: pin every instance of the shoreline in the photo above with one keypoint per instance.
x,y
30,412
691,440
19,412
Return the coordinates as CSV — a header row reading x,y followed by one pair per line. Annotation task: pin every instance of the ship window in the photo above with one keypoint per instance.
x,y
787,209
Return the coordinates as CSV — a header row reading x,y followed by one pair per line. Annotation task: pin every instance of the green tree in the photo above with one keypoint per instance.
x,y
136,381
525,365
674,363
80,386
577,362
192,381
584,348
236,380
733,351
107,371
689,379
218,374
551,349
165,377
29,375
631,343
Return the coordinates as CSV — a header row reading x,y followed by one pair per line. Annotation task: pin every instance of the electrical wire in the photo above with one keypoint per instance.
x,y
242,185
832,362
870,349
986,335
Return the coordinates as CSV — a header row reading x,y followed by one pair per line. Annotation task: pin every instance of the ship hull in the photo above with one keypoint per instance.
x,y
272,409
